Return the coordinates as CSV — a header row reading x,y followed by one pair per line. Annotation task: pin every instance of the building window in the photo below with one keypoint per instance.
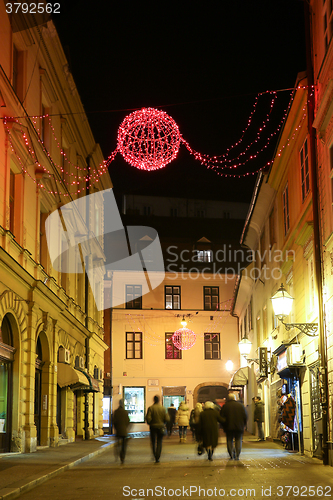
x,y
212,346
17,74
11,201
171,351
134,401
285,198
133,297
133,345
304,159
328,23
311,283
250,315
262,249
43,253
147,210
211,298
264,323
272,228
204,255
172,297
258,331
173,212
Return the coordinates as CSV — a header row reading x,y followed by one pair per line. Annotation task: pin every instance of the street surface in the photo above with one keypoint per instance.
x,y
264,470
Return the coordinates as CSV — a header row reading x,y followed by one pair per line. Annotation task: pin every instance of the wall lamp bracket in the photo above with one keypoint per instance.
x,y
310,329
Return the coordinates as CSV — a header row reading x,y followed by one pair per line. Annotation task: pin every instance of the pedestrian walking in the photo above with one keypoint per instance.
x,y
157,417
234,419
172,418
196,419
183,420
259,416
208,425
121,423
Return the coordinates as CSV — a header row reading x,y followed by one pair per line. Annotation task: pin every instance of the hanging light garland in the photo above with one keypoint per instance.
x,y
149,139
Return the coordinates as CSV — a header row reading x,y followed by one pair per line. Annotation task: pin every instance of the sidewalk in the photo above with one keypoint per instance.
x,y
20,472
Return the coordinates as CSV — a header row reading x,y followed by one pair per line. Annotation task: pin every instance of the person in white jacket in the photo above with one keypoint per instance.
x,y
183,419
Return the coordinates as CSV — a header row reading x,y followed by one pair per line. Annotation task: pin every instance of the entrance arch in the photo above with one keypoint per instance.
x,y
6,384
12,309
210,391
43,392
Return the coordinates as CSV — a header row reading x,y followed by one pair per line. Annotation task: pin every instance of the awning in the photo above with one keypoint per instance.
x,y
240,377
76,379
93,383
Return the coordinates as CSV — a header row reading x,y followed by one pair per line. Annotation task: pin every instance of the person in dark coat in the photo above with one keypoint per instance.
x,y
259,417
234,419
172,418
156,418
209,430
121,422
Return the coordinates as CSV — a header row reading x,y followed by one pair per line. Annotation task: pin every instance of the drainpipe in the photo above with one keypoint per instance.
x,y
111,367
322,345
86,310
86,396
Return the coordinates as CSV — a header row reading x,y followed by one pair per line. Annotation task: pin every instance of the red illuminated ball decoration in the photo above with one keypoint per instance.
x,y
183,339
148,139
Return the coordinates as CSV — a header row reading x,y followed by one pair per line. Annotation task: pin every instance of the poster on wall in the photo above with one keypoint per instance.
x,y
134,401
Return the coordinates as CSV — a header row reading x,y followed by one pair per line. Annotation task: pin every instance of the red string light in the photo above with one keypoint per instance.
x,y
88,179
183,339
149,139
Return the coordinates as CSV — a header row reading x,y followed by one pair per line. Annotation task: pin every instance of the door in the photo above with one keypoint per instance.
x,y
38,389
38,402
6,398
6,384
59,409
315,411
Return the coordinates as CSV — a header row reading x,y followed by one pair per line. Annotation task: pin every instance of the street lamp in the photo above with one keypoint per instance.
x,y
244,346
282,303
229,366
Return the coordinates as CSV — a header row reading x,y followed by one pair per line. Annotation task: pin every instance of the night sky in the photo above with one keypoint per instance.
x,y
201,62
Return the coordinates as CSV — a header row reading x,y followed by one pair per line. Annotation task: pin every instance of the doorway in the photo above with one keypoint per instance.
x,y
38,389
6,385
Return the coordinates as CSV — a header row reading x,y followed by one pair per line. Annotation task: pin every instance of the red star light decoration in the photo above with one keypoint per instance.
x,y
148,139
183,339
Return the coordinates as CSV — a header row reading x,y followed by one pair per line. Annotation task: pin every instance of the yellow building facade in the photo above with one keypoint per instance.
x,y
51,337
279,231
146,361
321,18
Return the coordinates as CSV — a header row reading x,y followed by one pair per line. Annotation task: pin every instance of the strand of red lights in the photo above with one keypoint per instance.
x,y
87,180
149,139
222,161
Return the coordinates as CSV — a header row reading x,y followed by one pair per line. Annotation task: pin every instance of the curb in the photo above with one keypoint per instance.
x,y
15,492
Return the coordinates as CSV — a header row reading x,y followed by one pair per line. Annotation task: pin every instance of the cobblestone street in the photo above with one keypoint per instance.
x,y
264,470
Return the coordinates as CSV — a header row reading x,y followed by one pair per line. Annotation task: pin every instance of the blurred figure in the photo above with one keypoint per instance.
x,y
172,418
259,416
156,418
208,424
196,418
234,419
121,422
183,420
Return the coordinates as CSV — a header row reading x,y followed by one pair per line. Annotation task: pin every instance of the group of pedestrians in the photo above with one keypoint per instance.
x,y
204,421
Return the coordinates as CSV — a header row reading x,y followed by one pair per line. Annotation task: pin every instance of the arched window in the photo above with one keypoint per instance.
x,y
6,335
